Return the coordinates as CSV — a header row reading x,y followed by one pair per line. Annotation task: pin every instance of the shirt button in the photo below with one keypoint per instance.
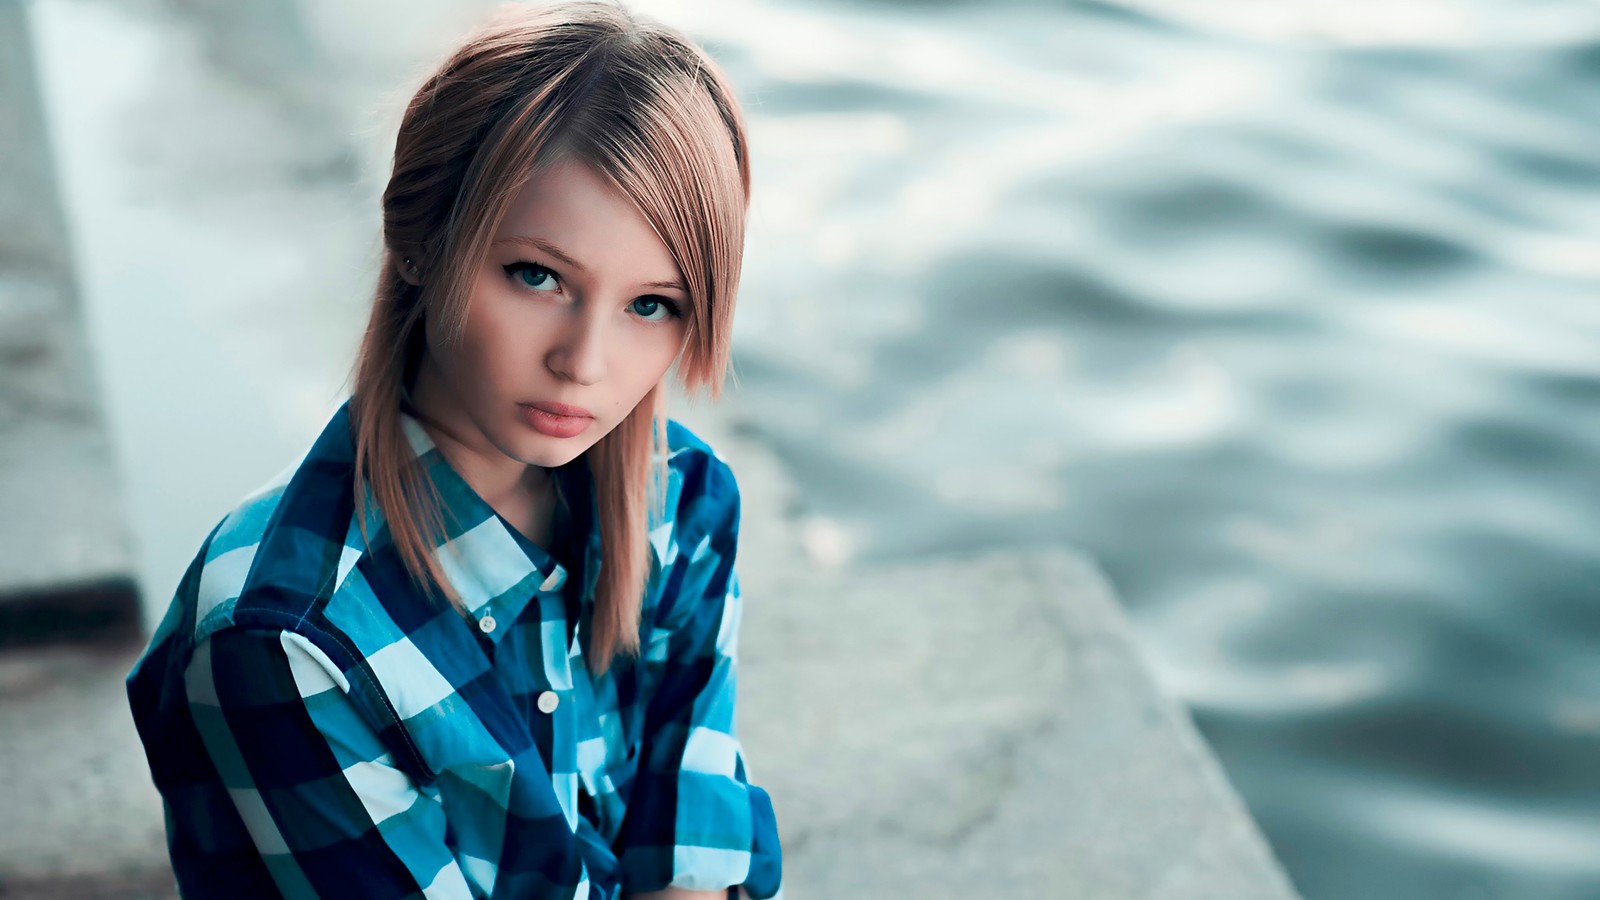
x,y
486,624
548,702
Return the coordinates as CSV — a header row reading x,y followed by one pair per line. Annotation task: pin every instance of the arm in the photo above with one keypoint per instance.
x,y
317,791
695,824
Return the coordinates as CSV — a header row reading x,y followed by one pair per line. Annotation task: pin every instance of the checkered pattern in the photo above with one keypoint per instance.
x,y
318,727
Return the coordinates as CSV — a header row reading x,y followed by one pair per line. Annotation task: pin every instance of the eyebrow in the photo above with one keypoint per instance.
x,y
558,253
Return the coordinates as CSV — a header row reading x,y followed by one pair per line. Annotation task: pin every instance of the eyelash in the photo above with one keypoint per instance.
x,y
511,270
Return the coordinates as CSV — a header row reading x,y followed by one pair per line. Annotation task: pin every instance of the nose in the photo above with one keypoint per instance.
x,y
578,355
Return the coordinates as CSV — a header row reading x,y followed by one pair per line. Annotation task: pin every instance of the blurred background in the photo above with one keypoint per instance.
x,y
1284,312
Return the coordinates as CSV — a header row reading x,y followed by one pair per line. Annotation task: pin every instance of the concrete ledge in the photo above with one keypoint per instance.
x,y
154,885
967,727
71,763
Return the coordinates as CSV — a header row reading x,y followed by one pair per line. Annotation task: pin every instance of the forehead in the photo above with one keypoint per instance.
x,y
572,205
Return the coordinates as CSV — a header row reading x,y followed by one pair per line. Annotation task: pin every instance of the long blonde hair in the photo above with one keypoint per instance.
x,y
649,110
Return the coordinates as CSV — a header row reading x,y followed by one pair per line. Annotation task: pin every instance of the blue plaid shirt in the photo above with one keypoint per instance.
x,y
318,728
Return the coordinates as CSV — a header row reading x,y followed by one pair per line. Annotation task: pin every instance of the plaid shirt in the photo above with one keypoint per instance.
x,y
318,728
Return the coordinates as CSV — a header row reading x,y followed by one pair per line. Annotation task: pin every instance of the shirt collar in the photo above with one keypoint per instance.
x,y
495,568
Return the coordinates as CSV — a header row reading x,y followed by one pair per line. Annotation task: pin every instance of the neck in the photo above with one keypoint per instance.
x,y
503,482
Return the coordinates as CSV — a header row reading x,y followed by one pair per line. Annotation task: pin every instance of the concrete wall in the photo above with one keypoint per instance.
x,y
65,549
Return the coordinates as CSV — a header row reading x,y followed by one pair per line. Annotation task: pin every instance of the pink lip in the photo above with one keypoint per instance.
x,y
562,409
542,417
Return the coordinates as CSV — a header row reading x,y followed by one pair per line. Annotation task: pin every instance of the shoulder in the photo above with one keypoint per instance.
x,y
685,448
704,493
701,516
278,550
279,578
228,554
695,546
248,592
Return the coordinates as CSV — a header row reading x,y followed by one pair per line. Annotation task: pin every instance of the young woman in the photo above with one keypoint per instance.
x,y
480,641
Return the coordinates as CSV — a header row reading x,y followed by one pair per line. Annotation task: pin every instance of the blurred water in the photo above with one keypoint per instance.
x,y
1287,314
1292,322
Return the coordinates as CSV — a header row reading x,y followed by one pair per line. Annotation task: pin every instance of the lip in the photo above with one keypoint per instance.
x,y
562,409
547,418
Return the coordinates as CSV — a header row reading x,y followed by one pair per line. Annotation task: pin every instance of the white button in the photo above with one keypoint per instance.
x,y
548,702
486,624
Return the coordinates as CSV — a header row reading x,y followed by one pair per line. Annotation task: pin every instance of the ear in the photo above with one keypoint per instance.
x,y
407,268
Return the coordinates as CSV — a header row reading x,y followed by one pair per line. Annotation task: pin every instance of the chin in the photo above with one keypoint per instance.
x,y
549,452
552,459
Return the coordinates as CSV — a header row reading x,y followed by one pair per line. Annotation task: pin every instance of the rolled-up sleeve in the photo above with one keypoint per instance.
x,y
321,798
694,818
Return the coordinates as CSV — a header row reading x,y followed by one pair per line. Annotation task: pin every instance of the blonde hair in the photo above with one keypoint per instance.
x,y
650,111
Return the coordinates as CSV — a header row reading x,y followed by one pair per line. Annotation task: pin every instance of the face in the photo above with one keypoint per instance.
x,y
578,304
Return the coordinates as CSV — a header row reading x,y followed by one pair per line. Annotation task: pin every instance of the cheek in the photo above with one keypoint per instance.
x,y
467,363
650,354
499,337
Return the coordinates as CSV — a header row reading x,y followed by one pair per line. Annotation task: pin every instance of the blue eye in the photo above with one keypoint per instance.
x,y
647,307
544,280
540,273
